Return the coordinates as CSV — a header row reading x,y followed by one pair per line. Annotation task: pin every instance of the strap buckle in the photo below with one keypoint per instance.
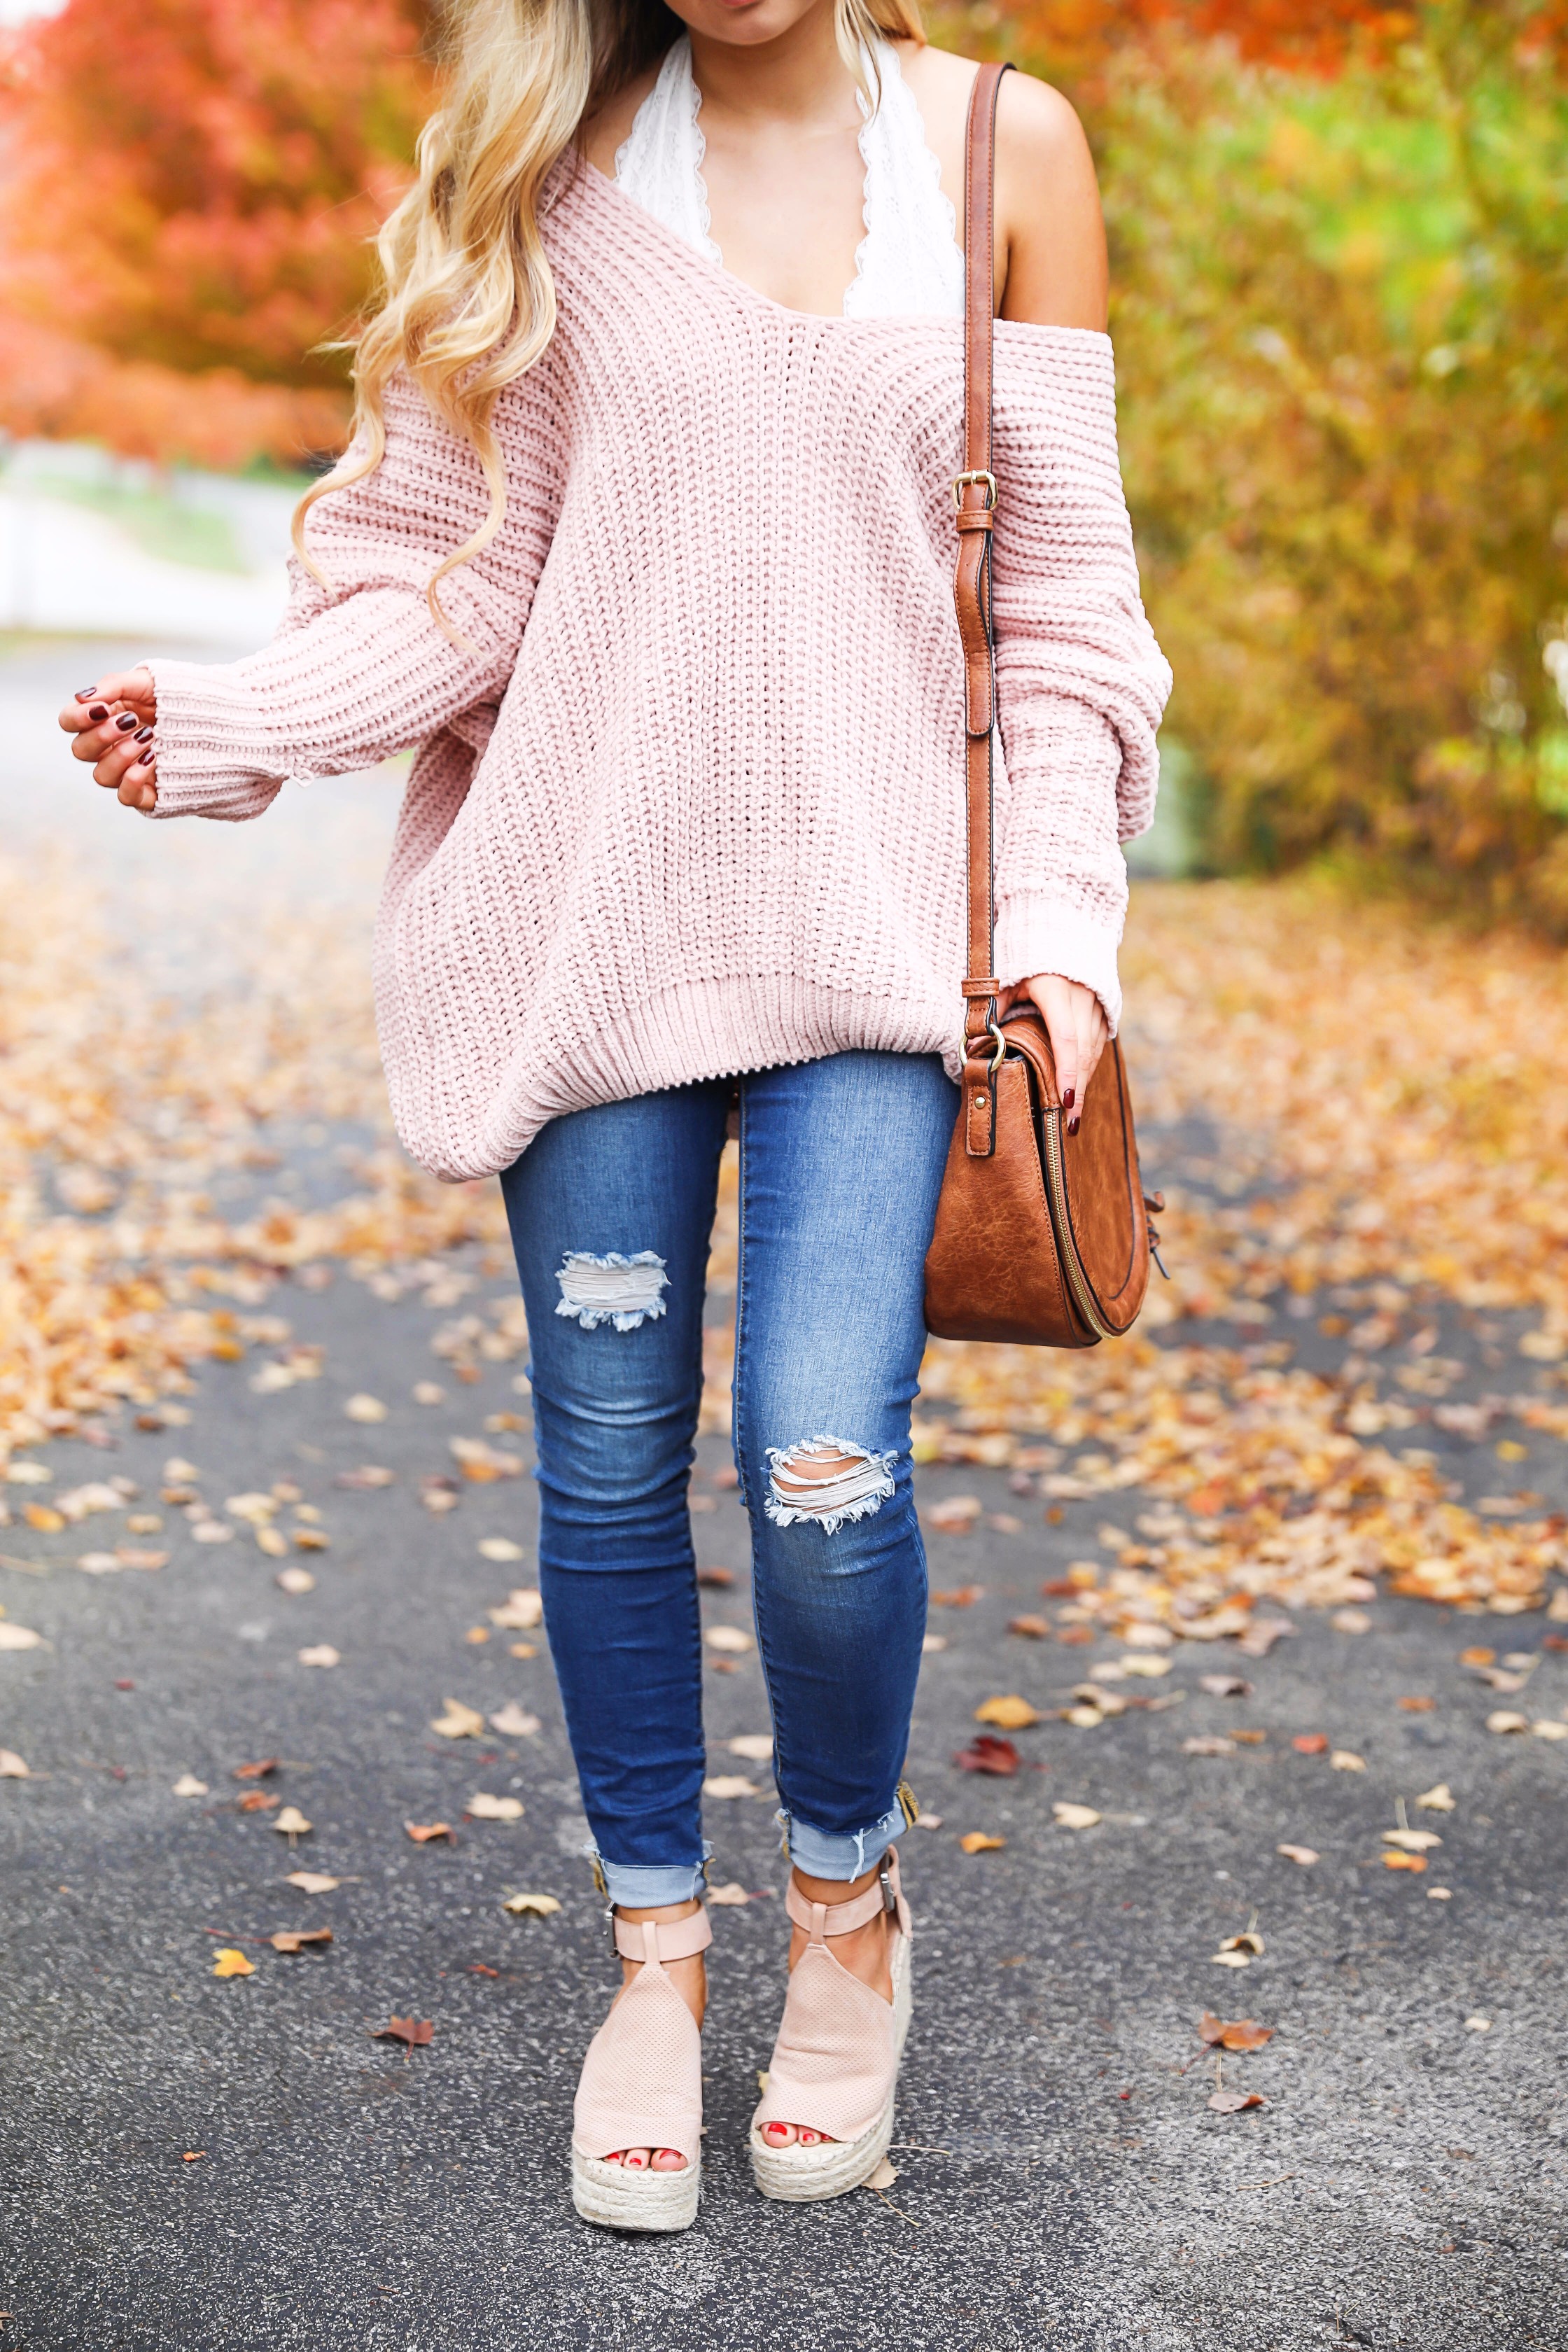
x,y
960,482
1000,1053
885,1880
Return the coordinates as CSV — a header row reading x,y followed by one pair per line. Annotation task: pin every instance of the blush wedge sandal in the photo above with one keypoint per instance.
x,y
641,2086
835,2063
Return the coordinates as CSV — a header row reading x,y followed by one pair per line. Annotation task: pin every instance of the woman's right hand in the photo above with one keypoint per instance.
x,y
112,723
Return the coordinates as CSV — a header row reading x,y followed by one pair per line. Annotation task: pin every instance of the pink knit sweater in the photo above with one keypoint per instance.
x,y
694,805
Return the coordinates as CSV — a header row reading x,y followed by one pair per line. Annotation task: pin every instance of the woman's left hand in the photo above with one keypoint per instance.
x,y
1074,1023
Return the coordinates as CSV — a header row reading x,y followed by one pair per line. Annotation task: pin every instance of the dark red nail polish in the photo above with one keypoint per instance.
x,y
143,734
87,694
126,720
1067,1097
1072,1127
99,710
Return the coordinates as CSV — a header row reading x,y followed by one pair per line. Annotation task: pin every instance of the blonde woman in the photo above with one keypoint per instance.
x,y
644,541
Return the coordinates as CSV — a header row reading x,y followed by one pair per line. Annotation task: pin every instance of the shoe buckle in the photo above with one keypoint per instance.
x,y
885,1880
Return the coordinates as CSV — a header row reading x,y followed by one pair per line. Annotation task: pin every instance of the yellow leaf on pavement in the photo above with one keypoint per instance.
x,y
228,1962
459,1722
1010,1713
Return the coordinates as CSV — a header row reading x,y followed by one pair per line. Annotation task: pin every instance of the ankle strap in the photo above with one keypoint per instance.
x,y
823,1919
653,1941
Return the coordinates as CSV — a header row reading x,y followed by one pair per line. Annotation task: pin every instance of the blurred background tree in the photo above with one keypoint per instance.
x,y
187,206
1340,238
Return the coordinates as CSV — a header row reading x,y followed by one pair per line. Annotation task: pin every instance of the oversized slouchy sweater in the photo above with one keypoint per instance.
x,y
691,801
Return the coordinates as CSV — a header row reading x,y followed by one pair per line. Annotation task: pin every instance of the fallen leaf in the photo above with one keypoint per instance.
x,y
483,1808
428,1392
1310,1743
1208,1743
46,1521
459,1722
1140,1635
1415,1705
368,1475
1083,1719
365,1408
414,2032
1033,1629
756,1747
1548,1727
987,1753
716,1580
1440,1895
257,1771
1231,2103
1304,1855
961,1596
228,1962
1225,1686
1477,2025
187,1785
1243,2034
291,1822
728,1639
295,1580
294,1939
934,1642
540,1906
1009,1713
1437,1801
729,1784
13,1769
955,1515
258,1801
928,1820
422,1833
1413,1841
272,1541
320,1655
1249,1738
1248,1941
1344,1760
28,1473
498,1548
883,2177
730,1893
1074,1817
1404,1862
18,1637
513,1722
312,1540
312,1882
1501,1719
1232,1960
478,1633
522,1650
976,1842
1350,1621
1477,1657
521,1611
1261,1635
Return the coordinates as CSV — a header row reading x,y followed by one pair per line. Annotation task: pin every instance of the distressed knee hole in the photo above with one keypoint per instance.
x,y
611,1289
828,1480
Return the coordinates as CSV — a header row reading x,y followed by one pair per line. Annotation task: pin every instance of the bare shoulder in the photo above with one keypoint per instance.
x,y
1047,203
608,130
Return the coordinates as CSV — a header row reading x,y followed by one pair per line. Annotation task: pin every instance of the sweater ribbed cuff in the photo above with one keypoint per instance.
x,y
213,758
1039,934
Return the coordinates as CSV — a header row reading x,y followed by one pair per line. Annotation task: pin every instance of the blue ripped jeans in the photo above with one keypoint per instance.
x,y
611,1209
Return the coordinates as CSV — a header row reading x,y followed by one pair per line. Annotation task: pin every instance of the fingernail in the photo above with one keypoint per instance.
x,y
1072,1126
126,720
99,710
87,694
1068,1092
143,734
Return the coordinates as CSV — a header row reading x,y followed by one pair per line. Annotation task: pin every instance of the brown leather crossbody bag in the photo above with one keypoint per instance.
x,y
1041,1236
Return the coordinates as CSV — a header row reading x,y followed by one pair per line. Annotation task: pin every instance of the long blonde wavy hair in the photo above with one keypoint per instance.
x,y
470,303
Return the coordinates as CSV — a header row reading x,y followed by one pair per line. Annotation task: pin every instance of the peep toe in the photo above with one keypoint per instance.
x,y
641,2086
835,2063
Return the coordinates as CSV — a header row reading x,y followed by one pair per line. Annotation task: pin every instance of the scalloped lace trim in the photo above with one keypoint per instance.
x,y
908,261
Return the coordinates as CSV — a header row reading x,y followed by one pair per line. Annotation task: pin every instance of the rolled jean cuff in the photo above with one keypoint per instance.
x,y
643,1885
843,1854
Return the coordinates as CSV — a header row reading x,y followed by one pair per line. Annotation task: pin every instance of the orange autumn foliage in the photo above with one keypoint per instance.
x,y
187,213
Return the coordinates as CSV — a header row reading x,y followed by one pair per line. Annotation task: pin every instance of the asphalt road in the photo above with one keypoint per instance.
x,y
192,2162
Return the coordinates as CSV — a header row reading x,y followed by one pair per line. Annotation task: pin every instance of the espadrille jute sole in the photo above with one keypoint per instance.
x,y
801,2174
614,2198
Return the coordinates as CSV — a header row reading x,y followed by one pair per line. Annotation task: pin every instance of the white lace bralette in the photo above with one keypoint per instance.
x,y
909,258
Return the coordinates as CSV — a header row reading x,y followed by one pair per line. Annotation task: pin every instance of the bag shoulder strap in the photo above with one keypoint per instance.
x,y
975,501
